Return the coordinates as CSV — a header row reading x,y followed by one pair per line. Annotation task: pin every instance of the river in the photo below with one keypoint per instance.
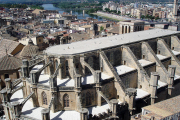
x,y
76,12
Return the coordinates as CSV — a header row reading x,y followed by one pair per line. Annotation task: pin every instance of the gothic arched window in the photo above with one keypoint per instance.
x,y
56,64
67,68
106,91
44,98
90,61
66,100
88,98
112,58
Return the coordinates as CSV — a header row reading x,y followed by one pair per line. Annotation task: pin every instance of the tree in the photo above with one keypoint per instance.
x,y
101,28
142,16
156,18
119,12
107,9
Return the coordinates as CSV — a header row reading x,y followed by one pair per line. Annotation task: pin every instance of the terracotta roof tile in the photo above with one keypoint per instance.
x,y
9,45
10,63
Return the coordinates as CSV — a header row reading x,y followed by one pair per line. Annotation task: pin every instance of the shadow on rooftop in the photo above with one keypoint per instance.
x,y
44,81
15,99
29,111
57,117
64,83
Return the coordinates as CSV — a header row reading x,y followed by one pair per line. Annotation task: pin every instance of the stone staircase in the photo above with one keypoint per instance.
x,y
27,98
16,89
36,61
16,82
116,76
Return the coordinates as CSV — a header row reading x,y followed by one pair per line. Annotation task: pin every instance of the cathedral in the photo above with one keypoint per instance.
x,y
108,78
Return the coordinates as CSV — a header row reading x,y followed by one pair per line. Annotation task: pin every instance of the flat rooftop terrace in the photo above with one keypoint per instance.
x,y
106,42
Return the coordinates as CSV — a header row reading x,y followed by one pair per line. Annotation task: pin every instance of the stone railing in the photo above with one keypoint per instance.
x,y
66,88
43,86
35,62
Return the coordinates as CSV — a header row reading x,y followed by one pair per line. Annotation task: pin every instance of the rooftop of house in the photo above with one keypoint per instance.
x,y
7,46
106,42
165,108
10,63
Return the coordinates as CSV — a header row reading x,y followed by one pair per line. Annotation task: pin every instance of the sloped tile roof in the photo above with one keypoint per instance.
x,y
10,63
29,50
7,44
165,108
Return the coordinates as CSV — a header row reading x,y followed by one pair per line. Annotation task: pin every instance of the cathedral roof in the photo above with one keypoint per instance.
x,y
10,63
107,42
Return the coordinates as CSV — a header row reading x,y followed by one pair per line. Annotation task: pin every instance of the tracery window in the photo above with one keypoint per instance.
x,y
67,68
112,58
106,91
66,100
90,61
44,98
88,98
127,83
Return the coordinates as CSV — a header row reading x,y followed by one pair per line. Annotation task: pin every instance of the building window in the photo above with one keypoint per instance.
x,y
106,90
124,62
77,68
143,56
88,98
56,63
44,97
66,100
129,29
67,68
126,82
122,29
125,29
6,76
39,40
90,61
112,58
